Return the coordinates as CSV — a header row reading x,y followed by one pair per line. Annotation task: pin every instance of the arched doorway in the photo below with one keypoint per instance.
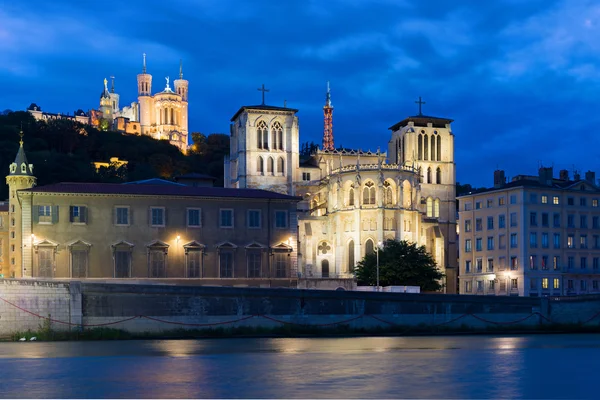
x,y
325,269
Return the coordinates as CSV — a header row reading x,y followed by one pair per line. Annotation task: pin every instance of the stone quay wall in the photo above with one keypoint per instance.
x,y
26,305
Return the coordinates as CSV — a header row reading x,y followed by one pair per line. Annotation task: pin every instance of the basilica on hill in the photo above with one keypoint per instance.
x,y
352,200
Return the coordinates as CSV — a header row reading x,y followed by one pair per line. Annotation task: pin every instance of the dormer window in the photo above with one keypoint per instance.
x,y
23,168
13,168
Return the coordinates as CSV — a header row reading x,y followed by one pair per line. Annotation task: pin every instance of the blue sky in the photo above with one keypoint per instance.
x,y
520,78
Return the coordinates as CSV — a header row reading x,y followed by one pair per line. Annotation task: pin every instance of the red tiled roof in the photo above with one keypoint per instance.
x,y
159,190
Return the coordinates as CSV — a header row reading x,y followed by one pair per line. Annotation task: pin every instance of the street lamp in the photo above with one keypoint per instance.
x,y
378,245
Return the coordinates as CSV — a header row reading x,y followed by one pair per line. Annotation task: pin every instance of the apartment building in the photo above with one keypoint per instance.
x,y
533,236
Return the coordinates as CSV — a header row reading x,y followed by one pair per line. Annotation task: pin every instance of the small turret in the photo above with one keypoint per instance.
x,y
181,85
144,81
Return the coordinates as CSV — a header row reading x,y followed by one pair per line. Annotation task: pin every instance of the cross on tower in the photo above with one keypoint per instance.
x,y
420,103
263,90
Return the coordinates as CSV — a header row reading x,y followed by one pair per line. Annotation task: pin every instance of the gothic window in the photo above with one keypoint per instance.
x,y
262,134
439,148
432,148
351,197
429,175
369,193
429,207
260,168
438,175
280,165
436,208
369,248
270,166
324,248
420,145
325,269
351,256
425,147
277,135
389,199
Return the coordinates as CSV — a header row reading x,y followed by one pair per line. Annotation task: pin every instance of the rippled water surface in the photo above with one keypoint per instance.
x,y
535,367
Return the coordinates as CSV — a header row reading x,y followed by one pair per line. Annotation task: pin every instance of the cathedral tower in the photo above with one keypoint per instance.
x,y
114,97
145,98
106,103
181,88
20,177
328,119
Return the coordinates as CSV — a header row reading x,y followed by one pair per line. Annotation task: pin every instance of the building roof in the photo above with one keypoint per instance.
x,y
152,181
422,120
196,175
262,107
21,159
557,184
158,190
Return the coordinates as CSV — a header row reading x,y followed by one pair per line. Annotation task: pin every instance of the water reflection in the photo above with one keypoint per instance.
x,y
552,366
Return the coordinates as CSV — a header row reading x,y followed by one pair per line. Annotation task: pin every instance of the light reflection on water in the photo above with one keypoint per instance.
x,y
549,366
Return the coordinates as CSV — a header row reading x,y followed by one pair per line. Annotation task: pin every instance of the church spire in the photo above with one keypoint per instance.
x,y
144,65
180,68
20,165
112,84
328,122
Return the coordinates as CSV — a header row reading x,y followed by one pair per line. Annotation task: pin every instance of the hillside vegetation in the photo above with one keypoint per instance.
x,y
63,151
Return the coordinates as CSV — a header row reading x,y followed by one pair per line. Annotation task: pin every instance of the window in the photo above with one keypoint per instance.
x,y
545,262
480,286
514,284
467,225
306,176
570,201
513,240
467,245
533,198
583,285
533,240
260,165
351,197
596,241
78,214
557,240
594,202
571,221
490,223
270,168
501,201
351,256
45,262
438,175
122,259
513,219
369,193
502,263
157,216
502,241
583,262
468,266
45,215
468,286
532,262
595,263
436,208
277,131
280,166
514,263
570,284
281,263
121,215
193,260
571,241
583,221
478,205
225,264
570,262
545,283
490,203
583,243
595,285
501,221
157,261
467,206
583,201
556,283
555,200
545,240
556,220
502,285
533,284
193,218
262,135
545,219
429,207
544,199
595,223
478,225
490,265
226,218
491,285
281,219
254,259
513,199
533,219
254,219
490,243
478,244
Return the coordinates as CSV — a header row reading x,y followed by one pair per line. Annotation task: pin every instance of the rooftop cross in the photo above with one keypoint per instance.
x,y
420,103
263,90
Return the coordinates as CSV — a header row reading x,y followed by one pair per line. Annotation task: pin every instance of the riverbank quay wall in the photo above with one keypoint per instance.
x,y
33,304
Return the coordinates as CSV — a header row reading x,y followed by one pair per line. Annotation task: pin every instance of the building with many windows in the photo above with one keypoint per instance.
x,y
533,236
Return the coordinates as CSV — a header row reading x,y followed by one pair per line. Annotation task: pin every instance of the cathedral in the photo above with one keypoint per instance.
x,y
352,200
162,115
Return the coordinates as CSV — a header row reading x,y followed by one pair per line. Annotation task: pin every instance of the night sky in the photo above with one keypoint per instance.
x,y
520,78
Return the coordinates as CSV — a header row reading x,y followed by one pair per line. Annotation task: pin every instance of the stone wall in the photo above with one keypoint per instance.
x,y
163,307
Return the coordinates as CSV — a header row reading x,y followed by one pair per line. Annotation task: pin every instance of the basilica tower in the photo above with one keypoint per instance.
x,y
114,97
181,88
145,98
20,177
106,103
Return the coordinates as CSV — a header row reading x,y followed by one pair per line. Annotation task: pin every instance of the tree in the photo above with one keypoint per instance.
x,y
400,263
307,149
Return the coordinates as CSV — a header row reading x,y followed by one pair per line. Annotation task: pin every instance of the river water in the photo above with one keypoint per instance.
x,y
534,367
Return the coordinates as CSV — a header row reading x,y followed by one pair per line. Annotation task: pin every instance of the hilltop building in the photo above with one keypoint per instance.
x,y
352,199
533,236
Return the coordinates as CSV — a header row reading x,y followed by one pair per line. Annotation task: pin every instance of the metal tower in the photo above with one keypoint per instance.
x,y
328,118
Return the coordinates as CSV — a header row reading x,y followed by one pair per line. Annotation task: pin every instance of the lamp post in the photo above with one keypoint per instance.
x,y
378,245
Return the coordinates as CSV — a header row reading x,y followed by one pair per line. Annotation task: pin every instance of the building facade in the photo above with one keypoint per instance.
x,y
533,236
352,200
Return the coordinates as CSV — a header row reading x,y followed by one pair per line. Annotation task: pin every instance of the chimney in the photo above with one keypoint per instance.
x,y
576,176
499,178
564,175
545,175
590,176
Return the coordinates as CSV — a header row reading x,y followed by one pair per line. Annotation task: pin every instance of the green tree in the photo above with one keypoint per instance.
x,y
400,263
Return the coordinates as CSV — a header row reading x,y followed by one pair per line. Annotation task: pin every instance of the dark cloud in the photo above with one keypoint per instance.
x,y
519,78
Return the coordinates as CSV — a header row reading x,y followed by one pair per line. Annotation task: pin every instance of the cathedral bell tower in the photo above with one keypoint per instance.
x,y
145,98
106,103
20,177
181,88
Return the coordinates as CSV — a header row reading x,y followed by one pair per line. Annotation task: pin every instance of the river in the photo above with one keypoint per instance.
x,y
534,367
